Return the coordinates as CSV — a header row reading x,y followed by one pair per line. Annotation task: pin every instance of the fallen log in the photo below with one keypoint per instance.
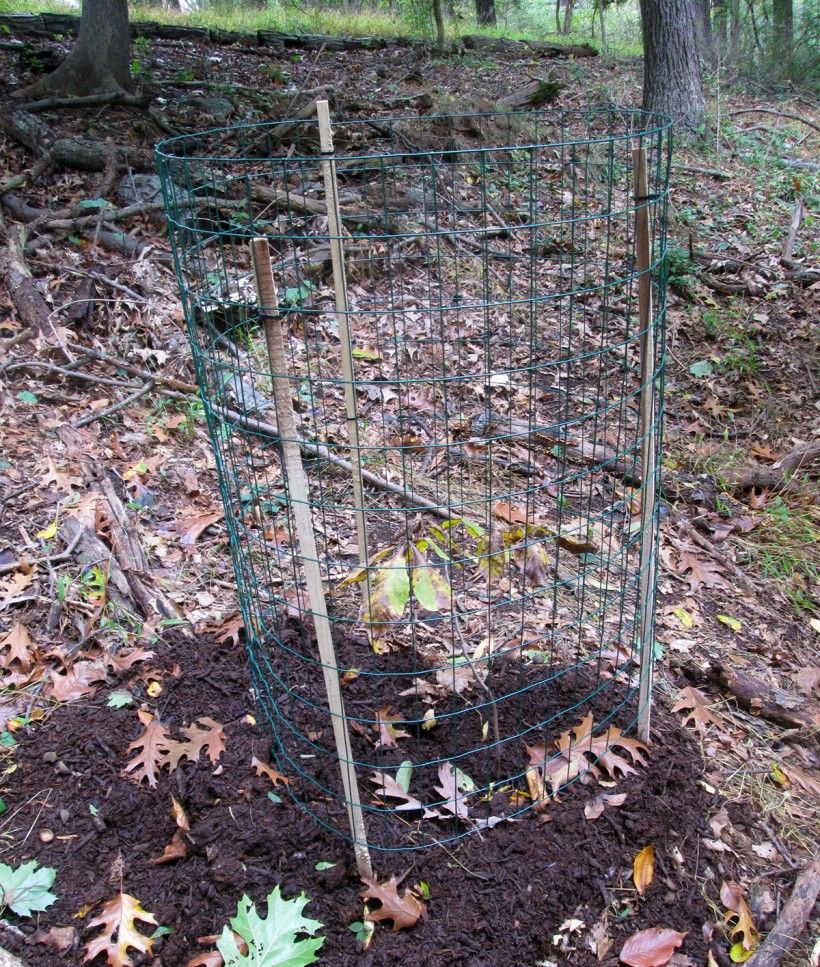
x,y
86,154
31,306
313,206
803,460
764,700
533,94
792,920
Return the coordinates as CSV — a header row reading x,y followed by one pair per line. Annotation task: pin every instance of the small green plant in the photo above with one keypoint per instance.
x,y
680,271
26,890
271,942
142,63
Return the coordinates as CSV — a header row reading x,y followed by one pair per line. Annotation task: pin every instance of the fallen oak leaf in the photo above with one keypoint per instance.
x,y
154,747
177,849
651,948
60,938
20,647
696,705
119,916
595,807
453,802
390,788
643,869
388,733
190,528
738,916
77,681
205,733
404,910
263,769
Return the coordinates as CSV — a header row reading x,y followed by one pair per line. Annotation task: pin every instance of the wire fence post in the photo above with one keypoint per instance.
x,y
342,317
300,508
646,328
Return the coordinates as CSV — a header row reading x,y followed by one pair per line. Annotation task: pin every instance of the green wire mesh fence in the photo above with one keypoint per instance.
x,y
475,364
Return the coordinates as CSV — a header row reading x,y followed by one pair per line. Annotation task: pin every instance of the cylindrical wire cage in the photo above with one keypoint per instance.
x,y
490,592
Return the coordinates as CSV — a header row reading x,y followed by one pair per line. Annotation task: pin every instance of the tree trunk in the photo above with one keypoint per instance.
x,y
671,81
721,27
99,62
734,31
439,19
485,13
568,15
703,23
558,16
602,14
782,33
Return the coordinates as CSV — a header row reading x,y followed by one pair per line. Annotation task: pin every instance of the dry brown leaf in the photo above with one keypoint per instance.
x,y
228,630
119,917
388,788
122,661
177,849
511,513
387,731
702,571
595,807
651,948
189,528
643,869
696,705
59,938
20,647
808,680
262,768
454,804
404,910
211,958
76,682
155,746
738,916
205,734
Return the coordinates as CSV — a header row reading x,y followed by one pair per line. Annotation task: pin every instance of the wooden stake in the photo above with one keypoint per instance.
x,y
300,507
643,260
337,260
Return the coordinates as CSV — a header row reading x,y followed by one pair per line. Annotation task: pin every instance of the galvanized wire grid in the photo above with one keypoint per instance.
x,y
493,310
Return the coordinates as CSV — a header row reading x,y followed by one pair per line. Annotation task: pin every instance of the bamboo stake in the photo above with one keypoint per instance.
x,y
299,502
643,257
337,260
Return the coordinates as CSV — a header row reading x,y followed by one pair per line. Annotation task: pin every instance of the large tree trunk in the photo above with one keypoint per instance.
x,y
782,33
99,62
703,23
485,13
671,80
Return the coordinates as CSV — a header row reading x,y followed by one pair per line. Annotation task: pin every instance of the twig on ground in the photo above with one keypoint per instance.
x,y
777,112
26,562
792,920
115,407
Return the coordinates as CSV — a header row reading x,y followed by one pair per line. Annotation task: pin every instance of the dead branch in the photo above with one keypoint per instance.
x,y
90,100
792,920
802,460
533,94
766,701
789,242
707,172
37,169
281,199
777,113
26,563
29,302
122,404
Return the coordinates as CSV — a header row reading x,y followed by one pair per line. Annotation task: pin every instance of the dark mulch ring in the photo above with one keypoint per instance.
x,y
495,899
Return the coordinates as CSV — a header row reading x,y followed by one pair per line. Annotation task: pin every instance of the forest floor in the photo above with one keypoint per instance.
x,y
728,800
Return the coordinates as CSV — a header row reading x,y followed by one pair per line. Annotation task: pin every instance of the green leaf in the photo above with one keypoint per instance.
x,y
733,623
274,798
684,617
272,941
93,809
369,355
701,368
120,698
363,930
161,932
6,738
95,203
26,397
424,890
25,890
323,865
403,774
3,806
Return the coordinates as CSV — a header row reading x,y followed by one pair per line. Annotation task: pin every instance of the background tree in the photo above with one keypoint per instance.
x,y
782,33
485,12
671,77
99,62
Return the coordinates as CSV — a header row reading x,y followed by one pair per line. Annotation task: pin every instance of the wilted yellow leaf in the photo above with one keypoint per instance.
x,y
733,623
643,869
48,533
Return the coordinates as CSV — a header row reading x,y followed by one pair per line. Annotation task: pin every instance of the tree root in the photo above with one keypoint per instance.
x,y
792,920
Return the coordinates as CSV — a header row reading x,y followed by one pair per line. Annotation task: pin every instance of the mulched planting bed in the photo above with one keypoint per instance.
x,y
497,898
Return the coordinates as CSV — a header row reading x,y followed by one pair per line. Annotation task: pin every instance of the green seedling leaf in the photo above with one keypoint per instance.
x,y
369,355
120,698
3,806
161,932
323,865
403,774
274,798
271,942
701,368
26,889
364,931
6,738
26,397
93,809
424,890
93,203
